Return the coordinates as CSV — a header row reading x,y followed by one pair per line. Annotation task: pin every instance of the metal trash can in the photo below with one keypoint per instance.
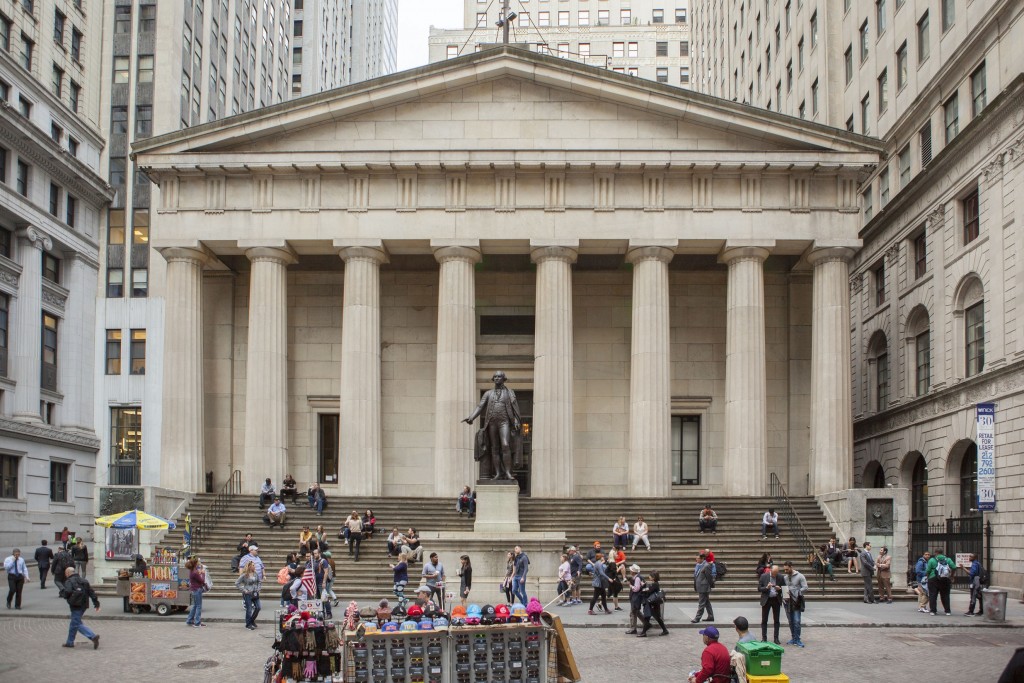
x,y
994,602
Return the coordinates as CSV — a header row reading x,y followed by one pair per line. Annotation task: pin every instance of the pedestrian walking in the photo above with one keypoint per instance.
x,y
975,583
248,582
522,568
703,582
883,565
17,574
600,584
797,584
78,593
771,601
44,557
61,561
433,577
465,579
867,572
652,599
636,584
564,580
510,570
196,586
921,581
576,570
81,556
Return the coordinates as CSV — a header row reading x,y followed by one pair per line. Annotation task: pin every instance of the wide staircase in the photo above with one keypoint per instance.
x,y
674,537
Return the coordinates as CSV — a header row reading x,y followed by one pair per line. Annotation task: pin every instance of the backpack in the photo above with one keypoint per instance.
x,y
721,569
76,595
284,575
942,569
985,578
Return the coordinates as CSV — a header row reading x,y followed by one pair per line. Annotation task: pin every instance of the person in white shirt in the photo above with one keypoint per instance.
x,y
276,513
770,521
564,580
17,574
266,493
640,533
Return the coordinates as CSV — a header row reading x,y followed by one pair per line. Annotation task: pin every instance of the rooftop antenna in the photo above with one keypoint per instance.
x,y
504,19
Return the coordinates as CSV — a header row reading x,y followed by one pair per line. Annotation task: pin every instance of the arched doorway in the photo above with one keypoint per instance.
x,y
919,490
966,476
874,475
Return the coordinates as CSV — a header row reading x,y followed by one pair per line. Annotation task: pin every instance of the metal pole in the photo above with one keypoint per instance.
x,y
504,21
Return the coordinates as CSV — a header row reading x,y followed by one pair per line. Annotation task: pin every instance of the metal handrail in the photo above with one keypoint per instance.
x,y
795,524
208,518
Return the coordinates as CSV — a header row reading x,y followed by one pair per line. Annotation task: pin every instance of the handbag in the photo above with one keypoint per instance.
x,y
656,598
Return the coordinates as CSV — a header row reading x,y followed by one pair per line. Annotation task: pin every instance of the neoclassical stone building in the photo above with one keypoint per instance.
x,y
663,276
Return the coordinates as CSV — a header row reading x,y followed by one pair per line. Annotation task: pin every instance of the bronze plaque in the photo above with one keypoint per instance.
x,y
879,516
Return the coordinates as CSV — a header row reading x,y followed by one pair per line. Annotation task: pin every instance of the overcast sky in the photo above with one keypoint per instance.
x,y
415,18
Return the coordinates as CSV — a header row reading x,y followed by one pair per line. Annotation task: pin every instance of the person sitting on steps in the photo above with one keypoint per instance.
x,y
708,519
276,513
289,487
266,493
770,522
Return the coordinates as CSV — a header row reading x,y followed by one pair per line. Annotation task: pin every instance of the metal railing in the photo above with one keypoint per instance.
x,y
206,520
124,473
795,526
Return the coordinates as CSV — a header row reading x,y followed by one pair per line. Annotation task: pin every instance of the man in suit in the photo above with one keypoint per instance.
x,y
703,581
867,571
501,422
770,587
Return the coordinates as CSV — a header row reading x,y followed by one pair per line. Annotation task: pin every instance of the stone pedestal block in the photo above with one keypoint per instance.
x,y
497,508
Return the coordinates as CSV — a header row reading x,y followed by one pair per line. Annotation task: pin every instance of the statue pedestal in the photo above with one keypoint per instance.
x,y
497,507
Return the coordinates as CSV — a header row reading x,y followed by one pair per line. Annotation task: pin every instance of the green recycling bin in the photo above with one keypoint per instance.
x,y
763,659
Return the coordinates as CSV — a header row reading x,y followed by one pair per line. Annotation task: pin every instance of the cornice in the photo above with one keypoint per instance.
x,y
44,433
54,297
31,214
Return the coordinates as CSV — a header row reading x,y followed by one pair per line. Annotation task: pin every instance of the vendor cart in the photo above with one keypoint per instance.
x,y
160,590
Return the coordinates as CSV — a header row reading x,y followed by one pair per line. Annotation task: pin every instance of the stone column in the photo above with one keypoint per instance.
x,y
181,443
831,410
455,392
76,363
650,391
266,367
360,444
746,438
27,324
552,463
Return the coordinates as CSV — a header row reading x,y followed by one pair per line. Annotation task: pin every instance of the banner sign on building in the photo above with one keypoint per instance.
x,y
986,428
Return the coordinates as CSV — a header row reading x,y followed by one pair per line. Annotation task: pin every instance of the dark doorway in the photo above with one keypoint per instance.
x,y
969,482
329,433
521,470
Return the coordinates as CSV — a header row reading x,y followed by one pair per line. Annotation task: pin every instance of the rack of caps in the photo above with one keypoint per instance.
x,y
506,653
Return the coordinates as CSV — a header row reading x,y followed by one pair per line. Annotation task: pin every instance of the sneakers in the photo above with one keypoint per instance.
x,y
947,614
590,612
923,609
798,643
791,641
67,644
95,642
251,627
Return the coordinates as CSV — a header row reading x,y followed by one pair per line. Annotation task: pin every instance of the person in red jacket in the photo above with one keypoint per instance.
x,y
715,666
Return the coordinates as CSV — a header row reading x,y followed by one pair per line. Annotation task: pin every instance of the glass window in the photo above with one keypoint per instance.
x,y
969,482
138,352
70,211
59,472
972,227
125,445
140,226
923,46
979,96
880,16
115,226
5,33
140,282
951,115
800,54
686,449
882,378
868,208
144,120
948,14
117,171
904,159
634,50
883,187
865,111
864,41
74,98
76,45
146,69
147,18
925,136
54,199
28,48
848,64
58,27
920,255
121,69
115,283
48,379
657,17
661,49
119,120
5,308
661,74
22,178
680,15
814,30
329,437
923,344
883,91
583,17
603,17
879,278
9,476
919,490
618,49
543,18
51,267
974,328
123,19
901,66
113,351
563,18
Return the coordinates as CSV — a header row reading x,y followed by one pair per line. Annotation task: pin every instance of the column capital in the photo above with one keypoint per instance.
x,y
281,256
649,253
198,255
744,252
816,256
36,238
540,252
362,250
457,252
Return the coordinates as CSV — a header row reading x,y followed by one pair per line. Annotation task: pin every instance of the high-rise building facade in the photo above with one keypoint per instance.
x,y
935,290
645,38
52,206
172,66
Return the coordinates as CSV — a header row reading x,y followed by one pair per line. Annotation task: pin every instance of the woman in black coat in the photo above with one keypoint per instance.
x,y
651,596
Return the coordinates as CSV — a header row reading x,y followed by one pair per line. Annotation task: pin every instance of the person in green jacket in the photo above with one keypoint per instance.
x,y
940,580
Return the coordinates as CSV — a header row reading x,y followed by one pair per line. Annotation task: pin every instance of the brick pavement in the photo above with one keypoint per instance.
x,y
155,648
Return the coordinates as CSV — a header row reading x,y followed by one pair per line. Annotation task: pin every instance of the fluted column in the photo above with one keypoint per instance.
x,y
75,369
26,323
650,392
266,368
360,444
831,464
746,447
455,389
552,462
181,443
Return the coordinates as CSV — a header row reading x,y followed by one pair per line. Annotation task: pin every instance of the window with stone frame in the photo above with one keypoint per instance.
x,y
137,352
971,216
878,278
113,352
969,481
878,373
979,91
974,341
919,489
918,351
686,450
59,475
48,369
920,243
5,309
923,362
9,475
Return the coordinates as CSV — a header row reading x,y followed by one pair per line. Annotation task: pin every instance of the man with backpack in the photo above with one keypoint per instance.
x,y
703,582
977,578
940,580
78,592
61,561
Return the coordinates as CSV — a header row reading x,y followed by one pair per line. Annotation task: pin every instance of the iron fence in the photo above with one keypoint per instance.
x,y
954,535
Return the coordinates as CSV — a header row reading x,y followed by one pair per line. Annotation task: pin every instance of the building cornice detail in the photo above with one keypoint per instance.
x,y
54,297
46,434
10,275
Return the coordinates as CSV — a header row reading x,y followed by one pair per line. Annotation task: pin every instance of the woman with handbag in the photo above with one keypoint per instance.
x,y
196,586
506,583
600,582
652,598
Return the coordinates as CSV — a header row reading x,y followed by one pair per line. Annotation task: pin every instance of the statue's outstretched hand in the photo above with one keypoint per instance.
x,y
468,420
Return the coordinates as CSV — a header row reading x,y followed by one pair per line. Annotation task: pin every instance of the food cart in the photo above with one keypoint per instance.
x,y
162,589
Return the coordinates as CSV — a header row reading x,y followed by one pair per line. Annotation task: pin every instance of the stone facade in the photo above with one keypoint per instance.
x,y
395,196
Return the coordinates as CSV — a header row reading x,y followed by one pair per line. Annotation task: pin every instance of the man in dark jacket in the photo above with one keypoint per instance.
x,y
78,593
61,561
44,556
770,587
867,570
702,583
521,569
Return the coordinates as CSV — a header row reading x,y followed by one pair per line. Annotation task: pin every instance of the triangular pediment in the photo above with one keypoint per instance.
x,y
508,99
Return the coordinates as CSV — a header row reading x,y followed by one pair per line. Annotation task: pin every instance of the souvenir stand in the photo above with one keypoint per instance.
x,y
162,589
308,647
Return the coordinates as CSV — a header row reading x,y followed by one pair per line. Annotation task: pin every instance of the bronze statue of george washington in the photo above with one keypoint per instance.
x,y
500,426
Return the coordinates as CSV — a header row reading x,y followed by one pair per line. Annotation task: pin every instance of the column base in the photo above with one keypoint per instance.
x,y
497,507
27,417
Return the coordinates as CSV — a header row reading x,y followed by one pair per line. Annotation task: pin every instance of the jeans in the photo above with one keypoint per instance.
x,y
252,607
80,567
519,589
317,503
77,627
266,499
765,528
794,616
195,614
